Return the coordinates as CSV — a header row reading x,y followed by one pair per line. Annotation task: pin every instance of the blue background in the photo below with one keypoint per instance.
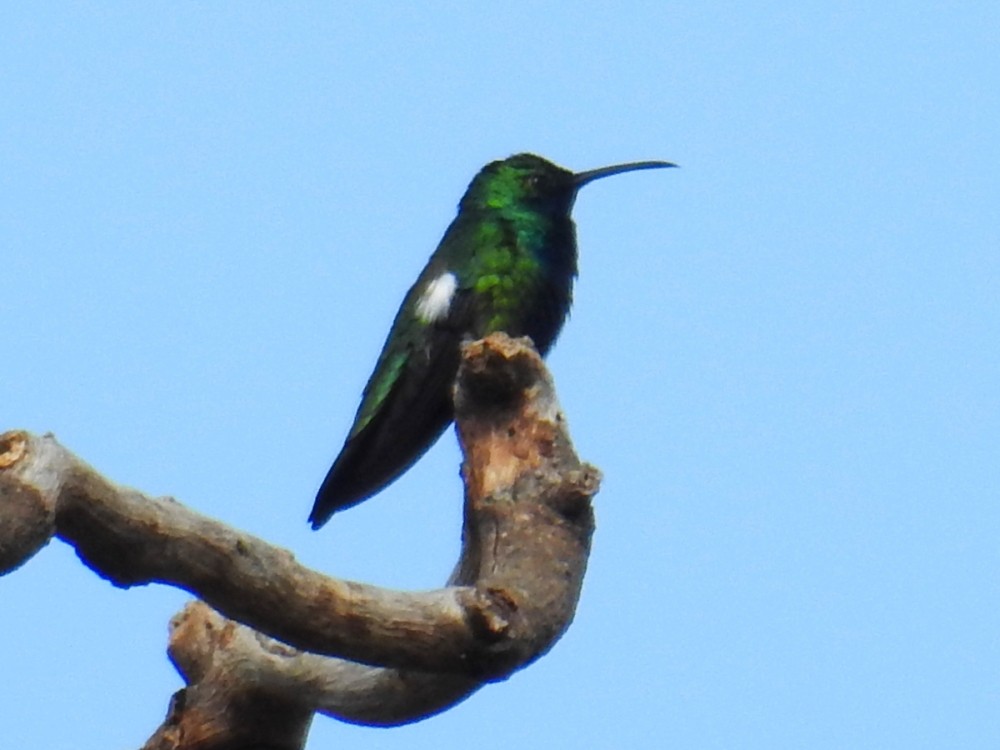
x,y
783,356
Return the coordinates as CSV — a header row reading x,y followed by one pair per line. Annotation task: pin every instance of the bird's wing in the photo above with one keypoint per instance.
x,y
406,404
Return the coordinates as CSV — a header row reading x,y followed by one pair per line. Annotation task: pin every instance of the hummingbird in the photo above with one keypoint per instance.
x,y
506,263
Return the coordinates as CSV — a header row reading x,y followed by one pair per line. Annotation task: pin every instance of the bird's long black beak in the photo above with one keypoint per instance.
x,y
582,178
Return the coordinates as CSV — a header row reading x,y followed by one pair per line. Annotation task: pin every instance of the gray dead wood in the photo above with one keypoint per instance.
x,y
272,642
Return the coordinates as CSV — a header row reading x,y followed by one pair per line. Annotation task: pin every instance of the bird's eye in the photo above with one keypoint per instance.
x,y
533,181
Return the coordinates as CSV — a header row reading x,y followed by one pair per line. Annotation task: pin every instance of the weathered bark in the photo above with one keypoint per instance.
x,y
255,680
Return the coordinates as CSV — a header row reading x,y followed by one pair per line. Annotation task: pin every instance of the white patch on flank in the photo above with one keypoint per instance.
x,y
436,299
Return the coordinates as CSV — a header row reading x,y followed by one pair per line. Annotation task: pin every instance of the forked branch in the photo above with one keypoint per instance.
x,y
297,641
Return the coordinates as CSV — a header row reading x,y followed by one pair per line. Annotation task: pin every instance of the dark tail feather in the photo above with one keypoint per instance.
x,y
377,456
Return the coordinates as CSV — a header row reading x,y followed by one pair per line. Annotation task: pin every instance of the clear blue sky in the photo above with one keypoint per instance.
x,y
784,356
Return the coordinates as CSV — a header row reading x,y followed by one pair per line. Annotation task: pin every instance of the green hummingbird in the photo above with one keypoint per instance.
x,y
506,263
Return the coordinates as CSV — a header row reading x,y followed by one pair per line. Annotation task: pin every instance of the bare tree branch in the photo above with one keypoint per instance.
x,y
402,655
